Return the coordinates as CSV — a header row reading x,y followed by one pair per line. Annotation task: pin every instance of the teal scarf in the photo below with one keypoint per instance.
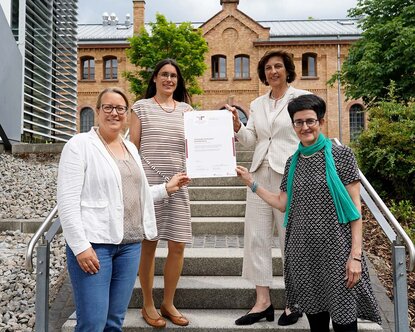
x,y
345,209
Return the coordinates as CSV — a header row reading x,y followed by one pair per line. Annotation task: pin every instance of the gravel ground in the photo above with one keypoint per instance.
x,y
27,191
28,186
17,285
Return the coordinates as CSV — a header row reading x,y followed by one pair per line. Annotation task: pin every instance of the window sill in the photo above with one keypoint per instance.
x,y
87,81
110,80
242,79
310,78
218,79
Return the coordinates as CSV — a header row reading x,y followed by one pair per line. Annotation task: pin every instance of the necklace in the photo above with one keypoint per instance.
x,y
125,155
279,98
174,107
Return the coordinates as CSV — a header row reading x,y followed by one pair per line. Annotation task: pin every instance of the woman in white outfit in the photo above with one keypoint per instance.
x,y
270,131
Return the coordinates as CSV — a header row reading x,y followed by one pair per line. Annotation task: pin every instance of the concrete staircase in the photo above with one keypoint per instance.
x,y
211,292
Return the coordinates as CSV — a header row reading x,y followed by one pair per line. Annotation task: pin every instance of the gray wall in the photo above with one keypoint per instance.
x,y
10,82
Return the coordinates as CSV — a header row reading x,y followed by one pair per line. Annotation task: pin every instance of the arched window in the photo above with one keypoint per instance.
x,y
87,68
86,119
356,120
219,67
309,64
242,66
110,68
242,115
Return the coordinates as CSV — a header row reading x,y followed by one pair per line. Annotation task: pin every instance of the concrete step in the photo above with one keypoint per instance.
x,y
217,208
240,147
246,164
244,155
218,225
226,181
24,225
214,261
218,193
211,292
216,320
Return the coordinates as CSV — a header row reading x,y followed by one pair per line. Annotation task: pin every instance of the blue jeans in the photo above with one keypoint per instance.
x,y
101,299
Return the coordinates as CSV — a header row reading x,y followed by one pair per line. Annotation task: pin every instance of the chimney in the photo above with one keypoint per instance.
x,y
229,4
138,19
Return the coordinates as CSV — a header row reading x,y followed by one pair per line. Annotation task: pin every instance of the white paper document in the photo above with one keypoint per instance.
x,y
210,144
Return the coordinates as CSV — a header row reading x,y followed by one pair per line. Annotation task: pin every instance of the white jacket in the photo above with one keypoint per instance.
x,y
278,138
89,194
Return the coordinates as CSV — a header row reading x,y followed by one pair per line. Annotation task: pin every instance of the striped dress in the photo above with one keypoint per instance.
x,y
162,150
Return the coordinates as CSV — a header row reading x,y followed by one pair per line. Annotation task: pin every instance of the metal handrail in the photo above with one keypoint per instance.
x,y
402,235
35,238
389,216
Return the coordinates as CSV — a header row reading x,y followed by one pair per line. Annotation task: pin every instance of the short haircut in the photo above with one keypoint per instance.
x,y
288,64
307,102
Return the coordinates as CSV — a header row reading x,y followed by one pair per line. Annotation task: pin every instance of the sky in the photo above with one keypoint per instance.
x,y
90,11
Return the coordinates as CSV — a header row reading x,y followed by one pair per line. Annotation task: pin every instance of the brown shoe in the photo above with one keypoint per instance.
x,y
177,320
157,323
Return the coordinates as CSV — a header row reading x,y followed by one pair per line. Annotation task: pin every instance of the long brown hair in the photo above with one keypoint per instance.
x,y
180,94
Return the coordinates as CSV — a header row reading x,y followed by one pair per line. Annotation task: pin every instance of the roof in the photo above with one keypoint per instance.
x,y
312,29
283,30
92,33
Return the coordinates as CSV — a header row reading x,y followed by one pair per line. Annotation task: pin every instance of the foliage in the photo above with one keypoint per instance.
x,y
167,40
386,150
404,212
385,52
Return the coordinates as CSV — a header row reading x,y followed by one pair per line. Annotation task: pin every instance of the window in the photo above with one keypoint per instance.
x,y
242,66
219,67
110,68
357,120
86,119
87,68
309,64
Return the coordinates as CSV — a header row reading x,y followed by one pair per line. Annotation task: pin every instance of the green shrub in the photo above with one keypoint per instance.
x,y
386,150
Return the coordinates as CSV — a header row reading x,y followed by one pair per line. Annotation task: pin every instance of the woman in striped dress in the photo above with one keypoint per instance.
x,y
157,130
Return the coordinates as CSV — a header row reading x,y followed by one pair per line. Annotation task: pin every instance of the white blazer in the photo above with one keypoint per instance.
x,y
89,194
277,137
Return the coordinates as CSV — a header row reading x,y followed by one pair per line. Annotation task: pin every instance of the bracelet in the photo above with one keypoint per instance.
x,y
165,186
357,259
254,187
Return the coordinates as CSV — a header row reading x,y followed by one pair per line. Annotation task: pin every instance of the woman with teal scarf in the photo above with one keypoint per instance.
x,y
325,272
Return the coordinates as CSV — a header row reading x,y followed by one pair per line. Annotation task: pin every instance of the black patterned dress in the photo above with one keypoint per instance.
x,y
317,246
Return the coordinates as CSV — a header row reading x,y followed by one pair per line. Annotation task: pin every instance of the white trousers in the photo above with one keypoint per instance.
x,y
260,222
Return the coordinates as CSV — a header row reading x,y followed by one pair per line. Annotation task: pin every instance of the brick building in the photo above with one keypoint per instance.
x,y
236,43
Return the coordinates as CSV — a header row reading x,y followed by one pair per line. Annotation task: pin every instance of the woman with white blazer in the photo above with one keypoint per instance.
x,y
270,131
106,209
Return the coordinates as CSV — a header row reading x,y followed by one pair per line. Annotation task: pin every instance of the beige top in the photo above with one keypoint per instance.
x,y
133,221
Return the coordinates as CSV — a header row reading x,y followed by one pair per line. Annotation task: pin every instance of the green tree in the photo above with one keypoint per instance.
x,y
385,53
167,40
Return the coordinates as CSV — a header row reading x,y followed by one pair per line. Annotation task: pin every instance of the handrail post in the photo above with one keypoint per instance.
x,y
42,287
400,291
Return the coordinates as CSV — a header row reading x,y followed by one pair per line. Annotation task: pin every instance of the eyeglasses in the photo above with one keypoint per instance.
x,y
166,75
108,108
308,122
